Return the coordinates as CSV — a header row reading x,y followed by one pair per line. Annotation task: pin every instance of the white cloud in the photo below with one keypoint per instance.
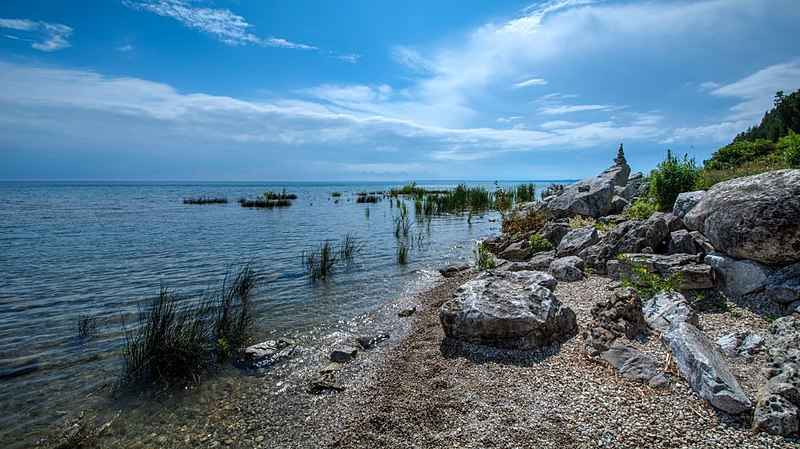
x,y
352,58
509,119
531,82
48,36
125,48
559,124
412,59
707,86
223,24
568,109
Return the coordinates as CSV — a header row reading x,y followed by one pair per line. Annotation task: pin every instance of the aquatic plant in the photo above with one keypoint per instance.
x,y
87,326
484,260
402,223
205,200
176,339
349,248
367,199
336,194
279,196
264,203
320,262
525,193
402,252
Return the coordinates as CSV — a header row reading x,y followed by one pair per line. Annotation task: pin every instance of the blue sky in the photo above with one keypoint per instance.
x,y
363,90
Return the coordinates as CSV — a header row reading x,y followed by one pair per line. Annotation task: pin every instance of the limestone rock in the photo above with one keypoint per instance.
x,y
507,310
554,231
738,277
666,310
517,251
576,241
453,270
267,353
567,269
686,201
742,343
754,217
783,286
591,197
542,261
634,365
701,364
681,242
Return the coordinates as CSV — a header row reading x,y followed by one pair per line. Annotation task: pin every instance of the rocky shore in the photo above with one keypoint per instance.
x,y
681,329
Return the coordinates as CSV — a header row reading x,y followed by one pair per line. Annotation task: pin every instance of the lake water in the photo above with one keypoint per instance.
x,y
101,249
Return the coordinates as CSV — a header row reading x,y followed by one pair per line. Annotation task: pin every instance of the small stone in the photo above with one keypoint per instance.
x,y
405,313
370,341
344,354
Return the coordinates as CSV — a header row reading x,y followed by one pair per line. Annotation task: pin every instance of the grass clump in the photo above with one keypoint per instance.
x,y
523,222
264,203
646,283
402,252
641,209
361,199
320,263
671,177
176,339
539,243
579,221
484,260
205,200
279,196
336,194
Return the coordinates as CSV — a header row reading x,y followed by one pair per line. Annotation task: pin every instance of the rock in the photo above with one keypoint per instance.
x,y
692,275
686,201
793,307
517,251
738,277
667,310
576,241
618,204
370,341
634,365
701,364
554,231
343,354
775,415
702,243
453,270
742,343
496,244
267,353
405,313
681,242
632,188
331,368
754,217
542,261
779,399
507,310
324,383
783,286
618,316
590,197
628,237
567,269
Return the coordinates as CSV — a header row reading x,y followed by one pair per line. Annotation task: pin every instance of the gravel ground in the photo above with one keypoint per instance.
x,y
423,392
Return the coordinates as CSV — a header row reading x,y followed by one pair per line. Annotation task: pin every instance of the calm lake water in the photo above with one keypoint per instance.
x,y
102,249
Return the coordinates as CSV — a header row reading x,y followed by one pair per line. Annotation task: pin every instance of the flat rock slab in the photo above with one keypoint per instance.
x,y
702,365
666,310
343,354
567,269
738,277
514,310
267,353
634,365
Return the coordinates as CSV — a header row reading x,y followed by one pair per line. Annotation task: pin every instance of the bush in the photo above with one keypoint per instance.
x,y
641,209
517,223
707,178
671,177
789,148
539,243
484,259
648,284
739,152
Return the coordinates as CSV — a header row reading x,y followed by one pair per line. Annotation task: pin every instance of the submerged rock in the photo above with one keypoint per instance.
x,y
754,217
507,310
343,354
701,364
266,354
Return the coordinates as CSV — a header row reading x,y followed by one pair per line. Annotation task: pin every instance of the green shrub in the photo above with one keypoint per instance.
x,y
579,221
539,243
484,259
739,152
641,209
707,178
648,284
789,148
671,177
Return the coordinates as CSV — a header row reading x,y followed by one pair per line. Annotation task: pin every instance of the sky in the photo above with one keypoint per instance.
x,y
247,90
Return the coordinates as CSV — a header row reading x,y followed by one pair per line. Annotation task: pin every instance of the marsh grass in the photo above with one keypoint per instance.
x,y
320,263
361,199
205,200
402,252
264,203
175,339
282,195
336,194
402,223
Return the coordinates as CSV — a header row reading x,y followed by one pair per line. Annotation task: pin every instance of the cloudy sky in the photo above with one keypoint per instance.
x,y
356,90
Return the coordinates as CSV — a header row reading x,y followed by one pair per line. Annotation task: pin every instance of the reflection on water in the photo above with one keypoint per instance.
x,y
99,250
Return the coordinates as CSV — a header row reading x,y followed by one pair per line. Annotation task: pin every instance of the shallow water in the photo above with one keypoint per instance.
x,y
101,249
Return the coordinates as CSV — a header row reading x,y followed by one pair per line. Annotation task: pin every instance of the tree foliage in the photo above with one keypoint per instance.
x,y
671,177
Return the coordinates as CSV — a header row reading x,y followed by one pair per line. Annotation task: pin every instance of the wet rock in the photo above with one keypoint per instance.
x,y
738,277
554,231
701,364
453,270
681,242
567,269
783,286
507,310
370,341
343,354
576,241
686,201
405,313
591,197
267,353
754,217
517,251
667,310
324,383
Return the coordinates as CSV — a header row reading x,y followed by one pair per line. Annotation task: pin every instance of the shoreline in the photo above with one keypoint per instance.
x,y
420,390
